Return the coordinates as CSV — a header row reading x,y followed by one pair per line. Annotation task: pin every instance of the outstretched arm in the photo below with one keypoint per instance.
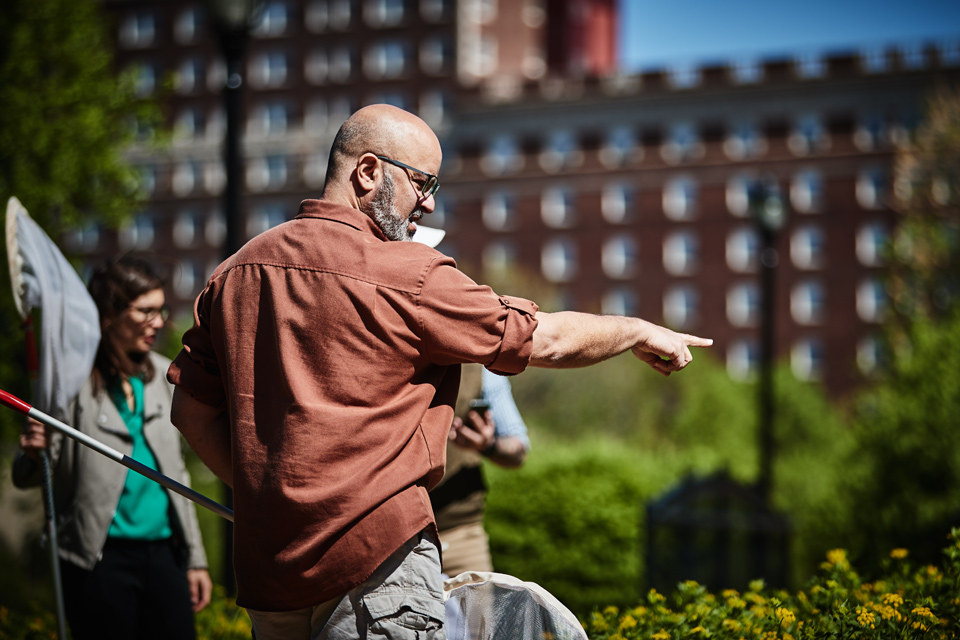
x,y
567,340
207,430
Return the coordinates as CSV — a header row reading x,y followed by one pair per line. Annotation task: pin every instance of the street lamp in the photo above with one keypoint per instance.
x,y
232,20
769,214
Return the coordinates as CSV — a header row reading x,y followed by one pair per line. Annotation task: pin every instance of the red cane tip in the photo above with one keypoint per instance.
x,y
15,403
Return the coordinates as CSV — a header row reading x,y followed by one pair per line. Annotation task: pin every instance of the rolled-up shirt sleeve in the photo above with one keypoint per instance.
x,y
195,370
466,322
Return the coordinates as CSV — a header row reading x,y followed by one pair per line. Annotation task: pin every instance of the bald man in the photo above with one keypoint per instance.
x,y
319,381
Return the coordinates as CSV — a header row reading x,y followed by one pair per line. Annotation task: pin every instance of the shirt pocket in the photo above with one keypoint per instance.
x,y
403,615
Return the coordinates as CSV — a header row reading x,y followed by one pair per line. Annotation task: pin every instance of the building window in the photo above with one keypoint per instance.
x,y
188,279
743,250
620,147
499,258
681,253
316,119
315,170
269,69
435,107
83,239
502,156
138,30
808,303
808,136
189,76
273,20
316,67
341,108
488,55
139,233
500,211
264,218
871,243
683,144
187,176
744,141
214,177
387,59
806,359
561,151
684,77
681,306
215,230
436,10
870,354
871,132
558,260
383,13
806,192
558,207
341,64
809,66
187,25
316,16
747,72
186,229
216,75
148,179
743,359
620,302
743,304
436,55
738,188
618,203
271,119
146,80
620,257
268,173
872,188
871,300
443,213
680,199
189,124
808,247
339,14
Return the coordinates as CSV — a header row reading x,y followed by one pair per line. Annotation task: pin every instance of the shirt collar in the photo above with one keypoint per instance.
x,y
339,213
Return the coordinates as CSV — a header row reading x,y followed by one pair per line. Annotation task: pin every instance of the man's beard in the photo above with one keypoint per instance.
x,y
393,225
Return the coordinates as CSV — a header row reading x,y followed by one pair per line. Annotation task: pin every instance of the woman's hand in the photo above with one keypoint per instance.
x,y
33,439
201,586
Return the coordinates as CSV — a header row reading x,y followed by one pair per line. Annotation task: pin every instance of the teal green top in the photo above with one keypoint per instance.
x,y
142,510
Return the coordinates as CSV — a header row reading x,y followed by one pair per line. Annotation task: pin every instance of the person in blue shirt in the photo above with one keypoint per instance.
x,y
498,434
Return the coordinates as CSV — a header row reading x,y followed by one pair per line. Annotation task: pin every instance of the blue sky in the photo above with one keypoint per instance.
x,y
663,32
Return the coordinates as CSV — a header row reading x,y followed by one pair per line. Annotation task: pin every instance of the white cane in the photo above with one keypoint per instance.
x,y
19,405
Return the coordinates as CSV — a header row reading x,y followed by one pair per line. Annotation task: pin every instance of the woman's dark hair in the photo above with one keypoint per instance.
x,y
114,284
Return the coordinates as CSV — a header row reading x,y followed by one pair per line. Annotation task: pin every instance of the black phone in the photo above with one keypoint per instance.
x,y
480,405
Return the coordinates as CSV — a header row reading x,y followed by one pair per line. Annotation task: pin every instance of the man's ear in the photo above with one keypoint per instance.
x,y
368,172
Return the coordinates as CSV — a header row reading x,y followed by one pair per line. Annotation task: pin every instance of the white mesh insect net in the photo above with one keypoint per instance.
x,y
495,606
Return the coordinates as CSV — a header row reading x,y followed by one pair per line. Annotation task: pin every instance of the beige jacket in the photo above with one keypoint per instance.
x,y
87,484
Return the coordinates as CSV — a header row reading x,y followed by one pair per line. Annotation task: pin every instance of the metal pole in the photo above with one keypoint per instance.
x,y
768,271
233,43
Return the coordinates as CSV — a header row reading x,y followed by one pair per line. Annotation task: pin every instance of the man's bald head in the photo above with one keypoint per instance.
x,y
383,130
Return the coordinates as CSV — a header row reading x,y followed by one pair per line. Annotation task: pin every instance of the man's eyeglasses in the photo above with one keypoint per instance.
x,y
429,186
150,313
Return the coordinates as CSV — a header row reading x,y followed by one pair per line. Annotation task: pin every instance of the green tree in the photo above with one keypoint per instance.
x,y
925,270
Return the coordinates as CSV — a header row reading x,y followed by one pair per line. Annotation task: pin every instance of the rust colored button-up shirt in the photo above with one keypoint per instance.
x,y
336,354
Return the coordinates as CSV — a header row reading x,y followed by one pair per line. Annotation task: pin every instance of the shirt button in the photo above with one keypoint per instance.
x,y
102,419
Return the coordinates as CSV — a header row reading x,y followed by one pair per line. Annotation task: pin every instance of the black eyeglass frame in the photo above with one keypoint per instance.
x,y
150,314
429,188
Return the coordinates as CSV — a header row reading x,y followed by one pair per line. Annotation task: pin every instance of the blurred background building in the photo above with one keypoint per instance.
x,y
627,193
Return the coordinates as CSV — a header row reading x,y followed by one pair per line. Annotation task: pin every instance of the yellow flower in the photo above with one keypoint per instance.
x,y
865,618
628,622
923,612
639,612
838,558
899,554
736,603
893,599
611,611
729,593
785,616
656,597
731,625
661,635
698,629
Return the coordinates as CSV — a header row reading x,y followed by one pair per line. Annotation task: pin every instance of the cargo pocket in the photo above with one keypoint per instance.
x,y
404,616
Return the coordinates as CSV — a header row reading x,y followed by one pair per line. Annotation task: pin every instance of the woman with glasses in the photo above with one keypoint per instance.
x,y
131,557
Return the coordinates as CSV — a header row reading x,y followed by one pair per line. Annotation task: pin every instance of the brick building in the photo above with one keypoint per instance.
x,y
626,192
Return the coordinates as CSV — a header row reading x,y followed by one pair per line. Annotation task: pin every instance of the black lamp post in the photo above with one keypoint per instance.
x,y
232,20
769,214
